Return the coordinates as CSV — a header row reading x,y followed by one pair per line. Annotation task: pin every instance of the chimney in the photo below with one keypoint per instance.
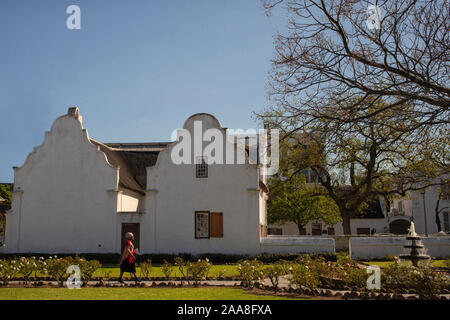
x,y
75,112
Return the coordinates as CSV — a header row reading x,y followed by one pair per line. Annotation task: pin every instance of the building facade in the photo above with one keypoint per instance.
x,y
74,194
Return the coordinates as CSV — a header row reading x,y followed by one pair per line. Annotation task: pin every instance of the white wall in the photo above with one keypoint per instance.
x,y
63,200
275,244
128,201
417,204
380,247
380,225
175,194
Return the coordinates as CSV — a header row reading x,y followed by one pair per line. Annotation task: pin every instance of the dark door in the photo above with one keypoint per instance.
x,y
399,226
134,229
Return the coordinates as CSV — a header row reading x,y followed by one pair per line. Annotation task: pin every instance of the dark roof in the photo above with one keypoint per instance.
x,y
133,159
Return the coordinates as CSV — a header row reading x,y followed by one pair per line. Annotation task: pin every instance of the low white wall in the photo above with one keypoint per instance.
x,y
380,247
297,245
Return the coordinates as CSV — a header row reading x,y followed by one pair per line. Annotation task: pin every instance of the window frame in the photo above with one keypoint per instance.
x,y
195,223
197,167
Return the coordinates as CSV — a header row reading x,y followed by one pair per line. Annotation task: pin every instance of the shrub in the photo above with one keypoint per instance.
x,y
87,268
57,268
26,267
146,268
250,272
302,275
167,269
391,257
182,267
349,271
275,271
198,270
8,270
398,278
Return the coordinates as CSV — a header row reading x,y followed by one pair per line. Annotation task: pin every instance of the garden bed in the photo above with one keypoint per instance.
x,y
307,275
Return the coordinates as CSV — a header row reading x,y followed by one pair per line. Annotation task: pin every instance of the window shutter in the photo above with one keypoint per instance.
x,y
216,225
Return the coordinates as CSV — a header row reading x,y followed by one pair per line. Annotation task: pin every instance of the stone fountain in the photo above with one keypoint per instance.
x,y
416,247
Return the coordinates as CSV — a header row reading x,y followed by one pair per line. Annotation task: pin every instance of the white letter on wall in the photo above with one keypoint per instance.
x,y
74,20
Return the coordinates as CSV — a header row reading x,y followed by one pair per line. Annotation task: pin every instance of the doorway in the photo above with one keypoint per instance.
x,y
134,228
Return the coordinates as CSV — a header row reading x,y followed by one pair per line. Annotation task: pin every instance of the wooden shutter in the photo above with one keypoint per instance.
x,y
216,225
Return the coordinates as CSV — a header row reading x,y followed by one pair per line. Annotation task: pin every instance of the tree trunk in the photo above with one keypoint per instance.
x,y
300,226
346,224
438,221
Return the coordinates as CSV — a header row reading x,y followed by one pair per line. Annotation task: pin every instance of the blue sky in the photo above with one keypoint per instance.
x,y
136,69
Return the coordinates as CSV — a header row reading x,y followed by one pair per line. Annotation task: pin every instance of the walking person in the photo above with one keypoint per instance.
x,y
128,259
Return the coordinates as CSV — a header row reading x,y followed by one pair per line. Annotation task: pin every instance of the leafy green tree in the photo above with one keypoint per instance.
x,y
293,200
5,193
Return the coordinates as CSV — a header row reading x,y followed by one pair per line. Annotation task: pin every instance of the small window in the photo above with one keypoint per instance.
x,y
216,225
201,167
275,231
363,231
331,231
201,224
446,222
316,229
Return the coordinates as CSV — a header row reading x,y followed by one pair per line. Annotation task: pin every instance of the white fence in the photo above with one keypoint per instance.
x,y
297,244
379,247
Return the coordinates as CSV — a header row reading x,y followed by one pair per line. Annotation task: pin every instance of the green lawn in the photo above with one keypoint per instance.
x,y
385,264
131,294
229,271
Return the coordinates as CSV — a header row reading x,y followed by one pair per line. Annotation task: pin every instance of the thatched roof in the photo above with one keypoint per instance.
x,y
133,159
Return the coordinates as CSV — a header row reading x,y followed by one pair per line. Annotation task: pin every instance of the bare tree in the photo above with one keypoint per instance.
x,y
375,100
330,52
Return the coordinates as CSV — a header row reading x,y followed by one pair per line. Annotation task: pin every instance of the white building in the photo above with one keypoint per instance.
x,y
394,220
421,207
74,194
375,222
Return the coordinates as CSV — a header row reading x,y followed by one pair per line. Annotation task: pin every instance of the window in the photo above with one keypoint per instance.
x,y
331,231
275,231
208,225
446,222
316,229
201,224
216,225
201,167
365,231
